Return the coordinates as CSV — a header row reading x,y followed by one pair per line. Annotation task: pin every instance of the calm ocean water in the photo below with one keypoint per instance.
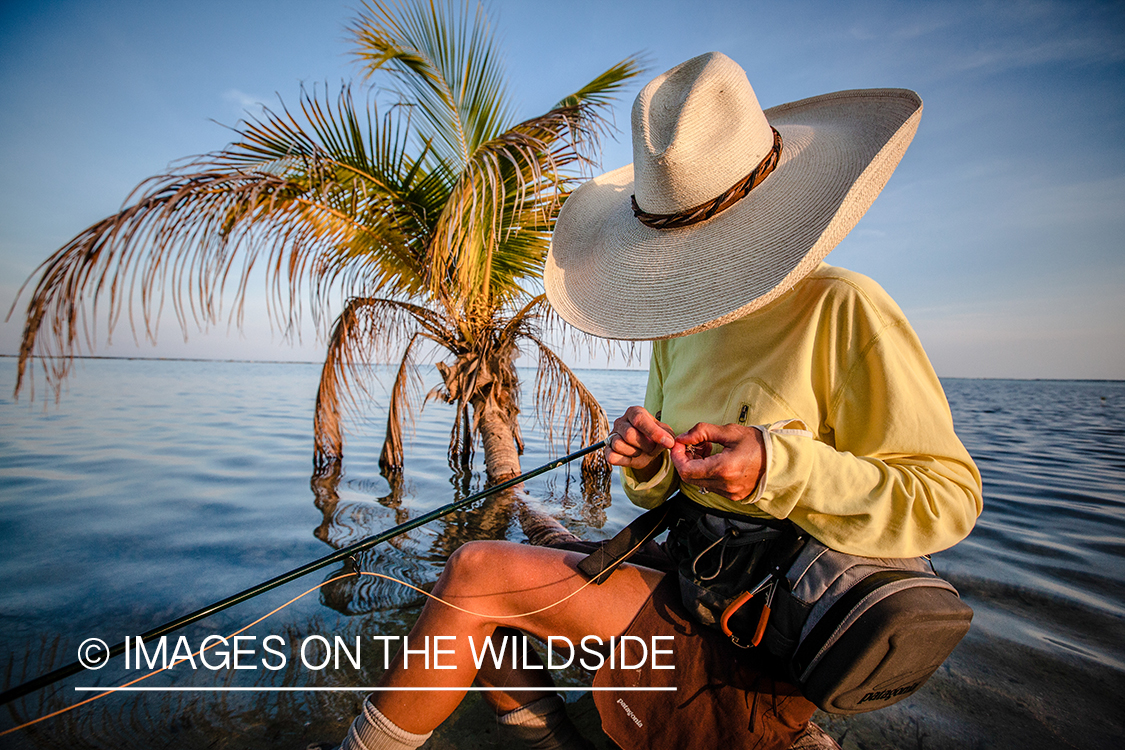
x,y
155,487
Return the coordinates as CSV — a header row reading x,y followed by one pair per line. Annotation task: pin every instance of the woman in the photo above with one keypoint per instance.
x,y
779,388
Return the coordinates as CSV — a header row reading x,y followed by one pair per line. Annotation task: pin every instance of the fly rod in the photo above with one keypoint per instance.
x,y
63,672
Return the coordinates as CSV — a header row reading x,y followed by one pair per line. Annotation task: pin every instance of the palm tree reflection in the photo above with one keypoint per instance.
x,y
417,556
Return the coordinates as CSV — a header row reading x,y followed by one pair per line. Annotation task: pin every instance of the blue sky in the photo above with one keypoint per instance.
x,y
1000,235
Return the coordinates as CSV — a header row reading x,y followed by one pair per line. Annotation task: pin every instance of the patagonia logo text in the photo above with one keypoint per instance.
x,y
629,712
883,695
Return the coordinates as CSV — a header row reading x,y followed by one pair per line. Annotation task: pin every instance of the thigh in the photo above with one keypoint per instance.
x,y
539,590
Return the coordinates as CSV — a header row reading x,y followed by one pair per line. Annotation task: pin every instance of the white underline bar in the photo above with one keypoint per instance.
x,y
354,689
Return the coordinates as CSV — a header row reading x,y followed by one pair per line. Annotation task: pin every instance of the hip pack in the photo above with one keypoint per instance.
x,y
854,633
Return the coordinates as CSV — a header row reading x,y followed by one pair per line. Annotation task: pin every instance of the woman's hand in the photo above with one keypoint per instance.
x,y
733,473
637,441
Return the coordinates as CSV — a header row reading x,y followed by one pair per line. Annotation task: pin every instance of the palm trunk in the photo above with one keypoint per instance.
x,y
502,461
501,455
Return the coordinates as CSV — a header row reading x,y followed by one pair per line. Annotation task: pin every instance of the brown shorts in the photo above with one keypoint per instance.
x,y
721,700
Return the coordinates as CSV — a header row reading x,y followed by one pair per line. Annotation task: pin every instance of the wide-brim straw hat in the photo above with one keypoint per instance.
x,y
698,130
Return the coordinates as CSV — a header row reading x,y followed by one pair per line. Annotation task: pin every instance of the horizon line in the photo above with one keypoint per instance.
x,y
390,364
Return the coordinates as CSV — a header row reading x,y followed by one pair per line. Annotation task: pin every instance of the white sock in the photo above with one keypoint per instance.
x,y
371,730
544,725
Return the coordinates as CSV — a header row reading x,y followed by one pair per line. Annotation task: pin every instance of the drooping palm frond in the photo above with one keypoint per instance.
x,y
327,202
558,391
399,410
367,331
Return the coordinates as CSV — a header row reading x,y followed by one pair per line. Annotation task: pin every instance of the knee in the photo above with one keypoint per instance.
x,y
471,564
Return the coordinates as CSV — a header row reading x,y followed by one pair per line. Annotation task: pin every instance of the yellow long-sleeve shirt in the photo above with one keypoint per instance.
x,y
882,473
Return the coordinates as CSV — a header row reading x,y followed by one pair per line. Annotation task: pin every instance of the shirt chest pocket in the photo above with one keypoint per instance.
x,y
752,402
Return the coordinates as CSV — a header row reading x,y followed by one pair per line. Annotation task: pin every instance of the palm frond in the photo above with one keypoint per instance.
x,y
459,382
560,396
399,410
360,170
366,331
512,186
594,101
603,90
328,204
443,60
494,233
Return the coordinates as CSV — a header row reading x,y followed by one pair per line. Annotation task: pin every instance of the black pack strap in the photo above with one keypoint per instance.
x,y
784,551
600,563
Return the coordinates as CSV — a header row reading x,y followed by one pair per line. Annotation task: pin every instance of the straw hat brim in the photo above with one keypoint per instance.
x,y
614,277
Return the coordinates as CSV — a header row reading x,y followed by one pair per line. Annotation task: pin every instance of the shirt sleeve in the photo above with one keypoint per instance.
x,y
886,476
666,481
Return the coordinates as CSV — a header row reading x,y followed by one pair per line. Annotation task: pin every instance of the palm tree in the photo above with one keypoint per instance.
x,y
432,218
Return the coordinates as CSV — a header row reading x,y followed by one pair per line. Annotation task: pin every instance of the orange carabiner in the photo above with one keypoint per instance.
x,y
736,605
733,607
